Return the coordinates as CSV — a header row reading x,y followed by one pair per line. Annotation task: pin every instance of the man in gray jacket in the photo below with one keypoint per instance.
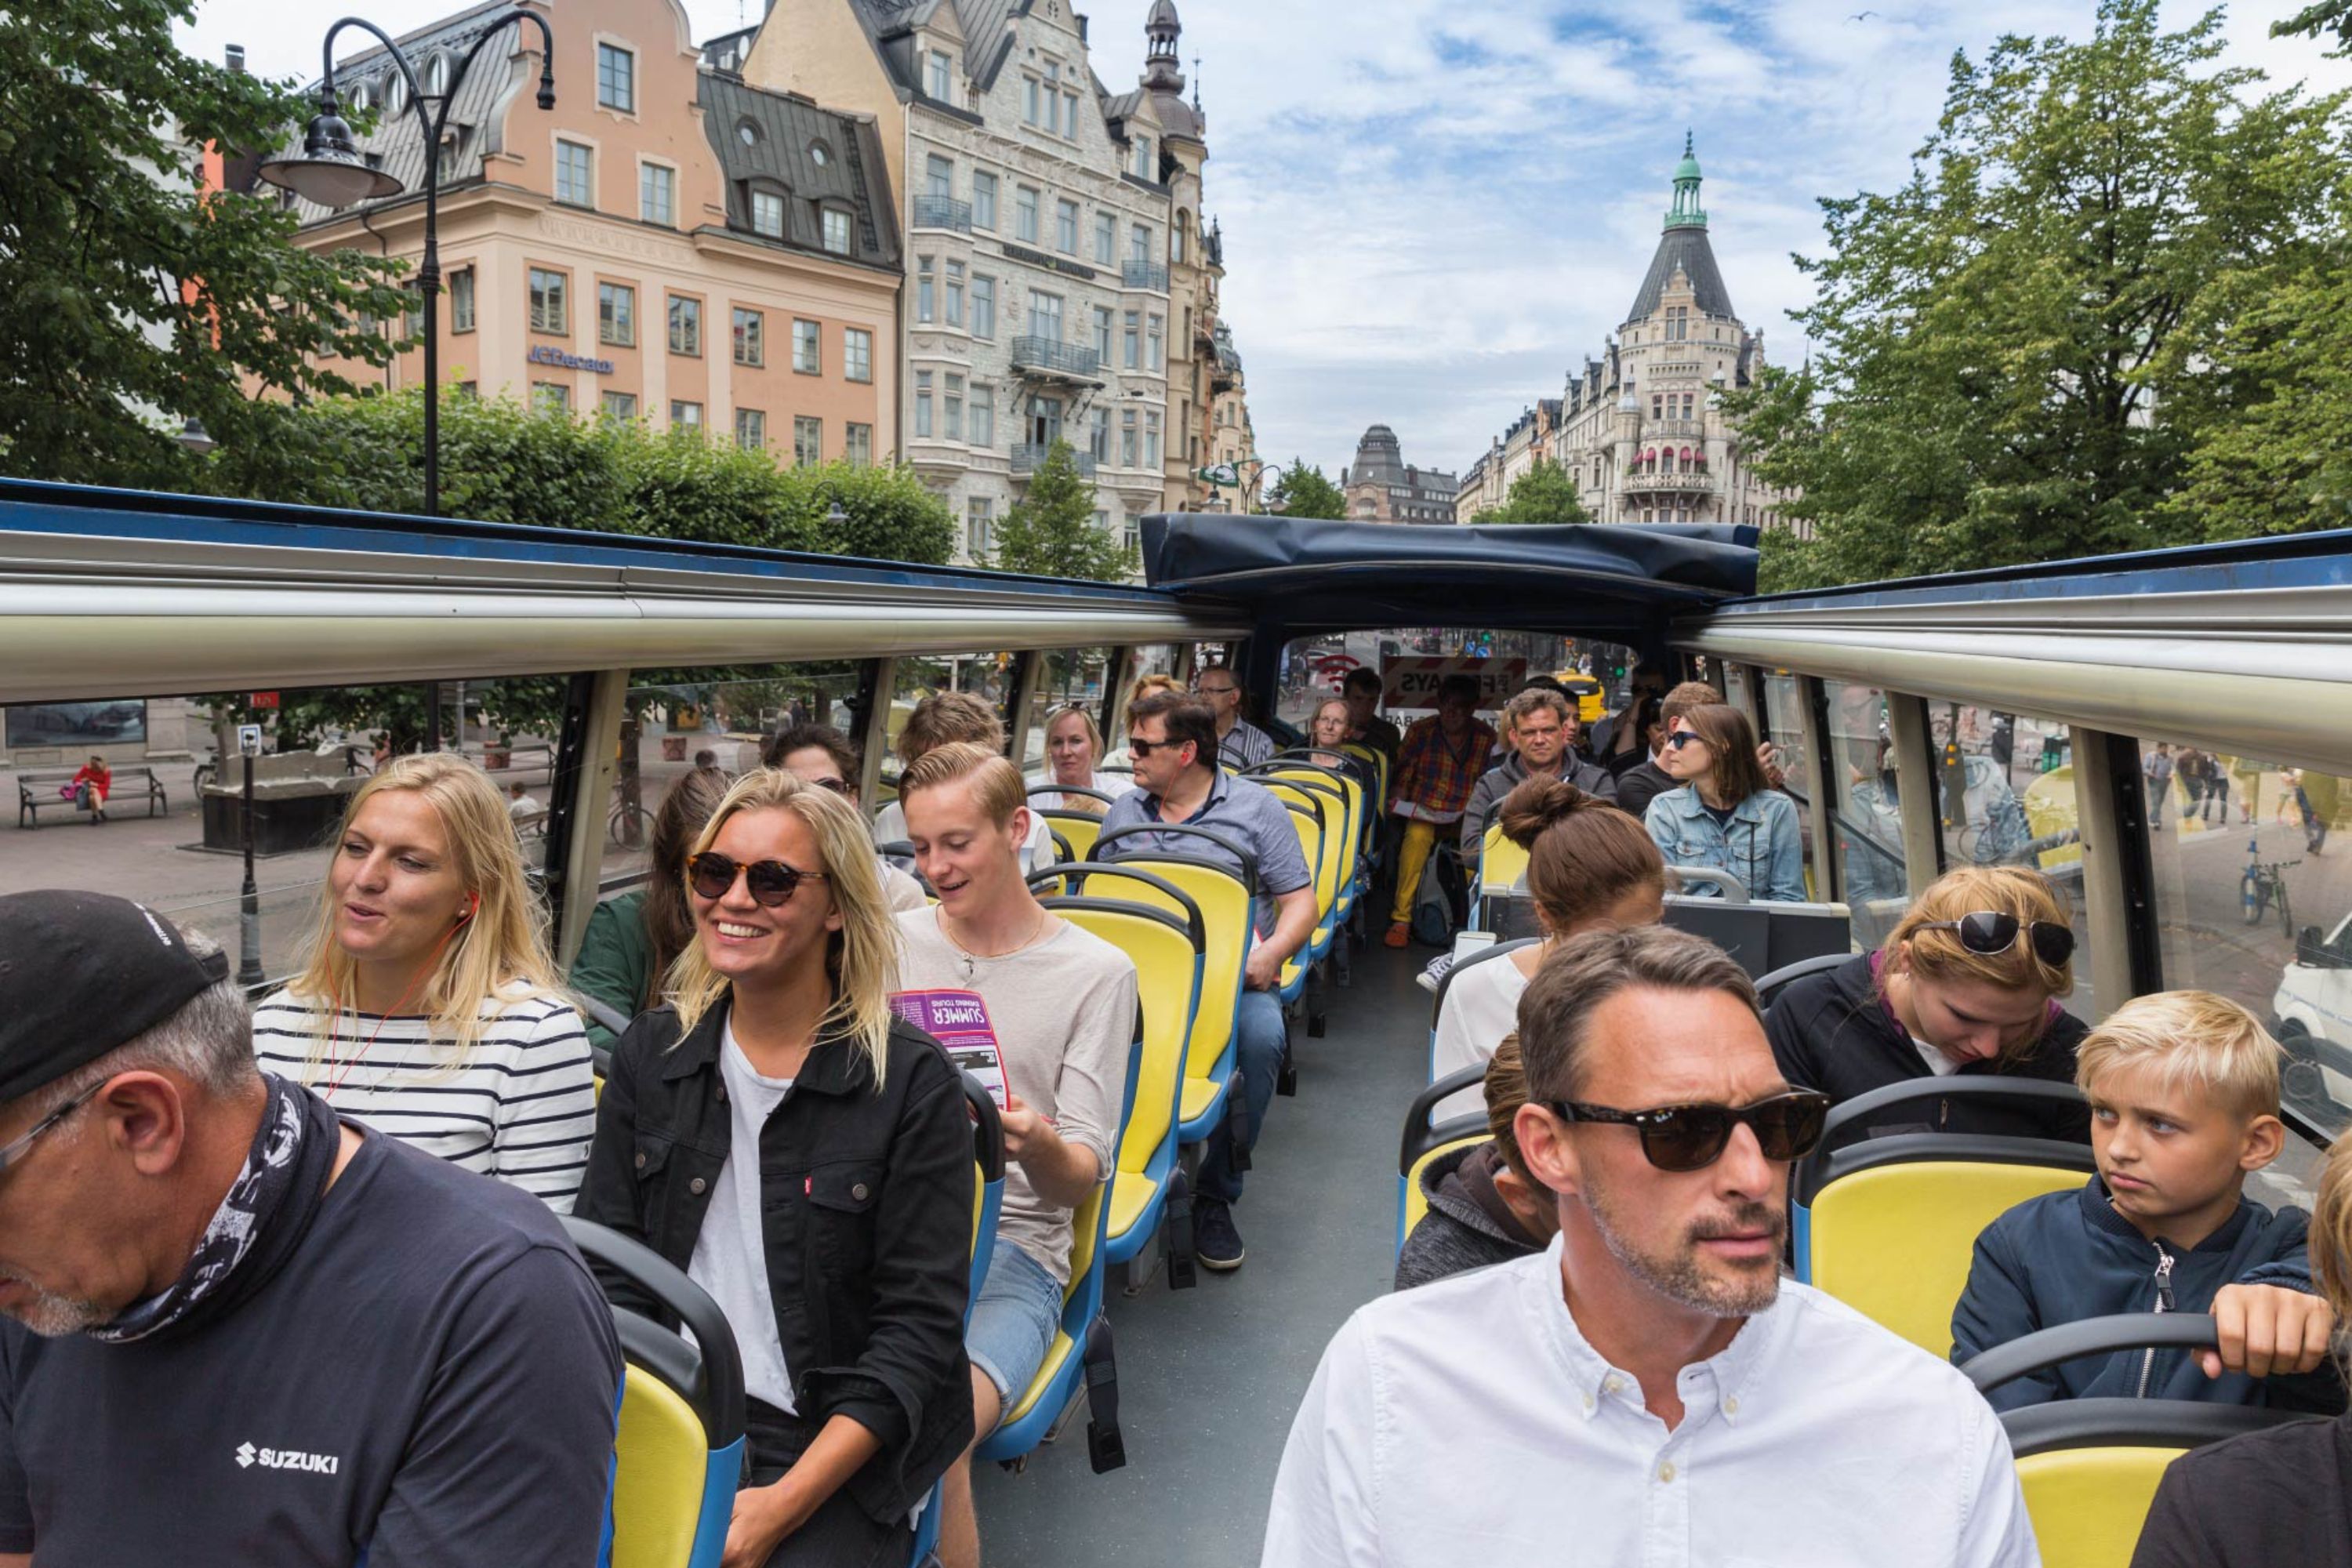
x,y
1542,728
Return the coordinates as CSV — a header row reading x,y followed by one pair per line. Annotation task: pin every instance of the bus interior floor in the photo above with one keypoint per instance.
x,y
1208,1378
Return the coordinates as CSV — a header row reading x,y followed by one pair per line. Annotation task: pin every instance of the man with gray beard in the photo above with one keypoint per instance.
x,y
1647,1390
235,1329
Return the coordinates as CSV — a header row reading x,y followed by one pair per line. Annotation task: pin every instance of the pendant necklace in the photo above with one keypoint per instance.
x,y
971,959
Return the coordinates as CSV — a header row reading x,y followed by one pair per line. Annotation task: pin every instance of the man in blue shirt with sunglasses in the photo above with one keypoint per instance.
x,y
1650,1372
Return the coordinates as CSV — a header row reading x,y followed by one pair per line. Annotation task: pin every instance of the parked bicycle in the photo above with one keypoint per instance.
x,y
2264,884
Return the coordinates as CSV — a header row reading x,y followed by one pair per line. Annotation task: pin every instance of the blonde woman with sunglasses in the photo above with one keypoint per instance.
x,y
777,1131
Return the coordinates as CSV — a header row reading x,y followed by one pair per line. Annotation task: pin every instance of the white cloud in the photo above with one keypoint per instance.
x,y
1432,210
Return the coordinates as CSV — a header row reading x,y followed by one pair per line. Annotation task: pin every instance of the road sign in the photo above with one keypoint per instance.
x,y
265,700
1219,474
248,740
1410,681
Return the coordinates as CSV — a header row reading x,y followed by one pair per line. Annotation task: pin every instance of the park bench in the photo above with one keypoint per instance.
x,y
36,790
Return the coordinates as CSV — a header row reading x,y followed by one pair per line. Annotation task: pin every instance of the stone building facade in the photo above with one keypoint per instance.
x,y
1380,487
666,243
1054,248
1639,429
1233,439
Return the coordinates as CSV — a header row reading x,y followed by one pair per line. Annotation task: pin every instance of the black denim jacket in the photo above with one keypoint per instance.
x,y
866,1204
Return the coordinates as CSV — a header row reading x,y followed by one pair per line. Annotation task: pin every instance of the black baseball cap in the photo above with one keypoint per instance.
x,y
82,973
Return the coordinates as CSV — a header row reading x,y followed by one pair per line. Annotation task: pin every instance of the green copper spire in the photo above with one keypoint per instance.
x,y
1687,212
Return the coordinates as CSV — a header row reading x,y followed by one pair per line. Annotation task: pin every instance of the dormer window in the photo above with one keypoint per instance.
x,y
819,153
938,75
747,133
436,76
768,214
1145,169
396,93
837,231
362,97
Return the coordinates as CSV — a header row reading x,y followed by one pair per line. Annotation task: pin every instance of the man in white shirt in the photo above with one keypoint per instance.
x,y
1649,1389
942,719
1061,1007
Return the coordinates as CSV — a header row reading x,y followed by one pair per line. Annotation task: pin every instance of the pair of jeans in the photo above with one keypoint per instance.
x,y
840,1534
1259,1036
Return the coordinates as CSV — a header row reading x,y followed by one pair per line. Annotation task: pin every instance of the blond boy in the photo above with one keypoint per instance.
x,y
2184,1092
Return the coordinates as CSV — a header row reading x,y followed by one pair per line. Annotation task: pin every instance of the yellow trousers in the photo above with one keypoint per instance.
x,y
1413,859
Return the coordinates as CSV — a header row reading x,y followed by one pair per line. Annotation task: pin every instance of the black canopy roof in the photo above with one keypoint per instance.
x,y
1305,575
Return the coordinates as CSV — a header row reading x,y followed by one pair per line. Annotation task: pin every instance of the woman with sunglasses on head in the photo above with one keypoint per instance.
x,y
1967,986
1074,750
428,1006
1724,813
633,939
822,755
775,1130
1590,866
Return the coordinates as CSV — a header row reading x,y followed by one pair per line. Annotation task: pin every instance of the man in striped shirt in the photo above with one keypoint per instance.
x,y
1240,744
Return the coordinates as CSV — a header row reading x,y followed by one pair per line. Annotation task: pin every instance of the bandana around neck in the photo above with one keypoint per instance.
x,y
255,1226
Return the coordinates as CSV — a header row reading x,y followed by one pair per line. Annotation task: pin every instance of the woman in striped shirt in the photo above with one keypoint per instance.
x,y
427,1007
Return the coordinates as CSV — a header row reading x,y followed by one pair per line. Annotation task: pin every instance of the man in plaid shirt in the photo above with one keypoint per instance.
x,y
1438,767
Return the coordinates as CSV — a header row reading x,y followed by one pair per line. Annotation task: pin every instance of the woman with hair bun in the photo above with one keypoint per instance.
x,y
1589,865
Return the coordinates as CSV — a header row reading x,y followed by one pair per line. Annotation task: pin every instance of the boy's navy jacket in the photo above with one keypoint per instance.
x,y
2065,1257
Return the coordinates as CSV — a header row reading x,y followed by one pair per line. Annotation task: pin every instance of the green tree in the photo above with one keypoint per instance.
x,y
2008,347
1051,531
1544,493
2328,16
1303,491
130,303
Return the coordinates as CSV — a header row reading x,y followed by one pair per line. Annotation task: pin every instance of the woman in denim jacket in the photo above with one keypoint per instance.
x,y
1724,814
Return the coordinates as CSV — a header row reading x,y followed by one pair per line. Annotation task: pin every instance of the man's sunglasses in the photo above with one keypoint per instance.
x,y
838,786
1988,931
1145,748
1692,1137
773,883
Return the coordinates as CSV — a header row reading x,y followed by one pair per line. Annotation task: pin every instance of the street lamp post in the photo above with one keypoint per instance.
x,y
248,898
330,171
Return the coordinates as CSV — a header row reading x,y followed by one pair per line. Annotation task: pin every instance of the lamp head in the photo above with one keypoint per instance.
x,y
330,170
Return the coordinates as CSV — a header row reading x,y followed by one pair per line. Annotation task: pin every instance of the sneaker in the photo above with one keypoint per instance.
x,y
1215,1243
1399,934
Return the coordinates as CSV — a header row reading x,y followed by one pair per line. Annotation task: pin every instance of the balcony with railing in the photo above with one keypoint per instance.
x,y
1145,275
1680,482
1028,457
943,212
1052,359
1660,429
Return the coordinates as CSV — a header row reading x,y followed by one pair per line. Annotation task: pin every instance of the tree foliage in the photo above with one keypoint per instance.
x,y
1545,494
2013,351
129,303
2327,16
1051,531
1303,491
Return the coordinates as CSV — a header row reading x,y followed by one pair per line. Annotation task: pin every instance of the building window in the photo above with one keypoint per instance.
x,y
550,308
1065,227
575,174
750,428
658,194
1102,521
1102,334
751,347
938,177
1688,396
955,294
768,214
927,306
617,78
1145,169
858,446
618,405
983,201
550,398
1024,214
1045,316
1130,340
923,403
1132,536
1031,92
837,231
983,414
937,75
1138,243
808,347
461,300
1126,449
978,532
616,315
983,307
1178,235
685,416
1099,441
953,407
857,353
1151,438
1154,339
1106,239
1678,323
1070,115
684,326
808,441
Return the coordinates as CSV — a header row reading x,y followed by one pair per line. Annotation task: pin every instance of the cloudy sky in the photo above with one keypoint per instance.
x,y
1432,210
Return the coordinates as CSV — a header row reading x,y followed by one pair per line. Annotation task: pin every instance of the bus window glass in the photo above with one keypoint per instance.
x,y
1784,728
1071,675
1411,661
1736,689
1869,814
2252,903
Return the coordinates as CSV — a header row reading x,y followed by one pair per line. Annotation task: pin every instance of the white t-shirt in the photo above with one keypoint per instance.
x,y
522,1108
1036,852
1938,1064
1111,784
1481,1007
1471,1421
730,1253
901,889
